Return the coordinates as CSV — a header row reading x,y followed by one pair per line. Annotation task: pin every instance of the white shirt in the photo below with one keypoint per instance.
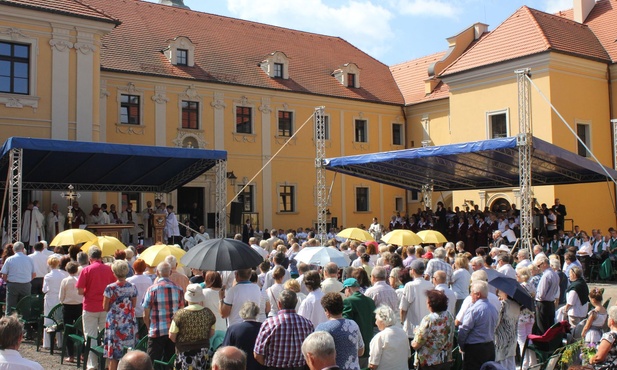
x,y
311,308
235,297
331,285
142,283
390,349
414,302
576,308
382,293
510,235
40,264
460,283
507,270
269,280
10,359
69,294
450,295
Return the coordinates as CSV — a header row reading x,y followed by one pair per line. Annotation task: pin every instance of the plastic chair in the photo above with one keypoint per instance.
x,y
57,325
546,344
97,349
457,358
29,309
162,365
73,334
142,345
607,303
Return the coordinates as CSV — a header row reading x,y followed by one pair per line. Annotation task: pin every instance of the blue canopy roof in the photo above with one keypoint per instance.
x,y
54,164
474,165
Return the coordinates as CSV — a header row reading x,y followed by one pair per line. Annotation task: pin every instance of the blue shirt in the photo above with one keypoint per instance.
x,y
18,268
478,324
347,339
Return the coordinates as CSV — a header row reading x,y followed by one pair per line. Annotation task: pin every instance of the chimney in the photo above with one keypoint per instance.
x,y
582,8
176,3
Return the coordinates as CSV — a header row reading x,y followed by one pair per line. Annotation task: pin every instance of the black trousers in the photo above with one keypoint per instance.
x,y
160,348
477,354
70,313
545,317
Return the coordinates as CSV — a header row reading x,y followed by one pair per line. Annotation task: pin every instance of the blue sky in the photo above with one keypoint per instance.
x,y
393,31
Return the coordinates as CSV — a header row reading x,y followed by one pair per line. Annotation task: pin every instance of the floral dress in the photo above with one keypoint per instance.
x,y
120,326
435,336
611,359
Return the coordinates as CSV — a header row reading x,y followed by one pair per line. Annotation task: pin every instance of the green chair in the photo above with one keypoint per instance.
x,y
607,303
162,365
73,333
29,309
95,345
457,359
142,345
56,325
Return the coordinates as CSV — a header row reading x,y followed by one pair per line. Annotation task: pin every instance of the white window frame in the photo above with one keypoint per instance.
x,y
294,203
11,100
180,42
587,125
402,134
267,65
368,198
366,129
341,74
489,127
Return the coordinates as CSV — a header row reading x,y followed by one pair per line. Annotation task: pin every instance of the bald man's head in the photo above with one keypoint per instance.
x,y
135,360
229,358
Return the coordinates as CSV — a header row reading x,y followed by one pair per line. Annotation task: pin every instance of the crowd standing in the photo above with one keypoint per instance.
x,y
392,307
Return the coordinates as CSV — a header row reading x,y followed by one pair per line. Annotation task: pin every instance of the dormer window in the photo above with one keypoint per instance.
x,y
348,75
181,51
276,65
182,57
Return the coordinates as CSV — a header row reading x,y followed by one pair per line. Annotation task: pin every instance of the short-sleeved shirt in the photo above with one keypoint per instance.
x,y
18,268
347,339
611,358
163,299
93,279
435,336
280,339
235,297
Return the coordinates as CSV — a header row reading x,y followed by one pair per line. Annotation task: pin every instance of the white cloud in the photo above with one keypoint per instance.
x,y
553,6
363,23
436,8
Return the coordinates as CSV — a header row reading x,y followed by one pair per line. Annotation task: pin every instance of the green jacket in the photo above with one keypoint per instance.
x,y
360,308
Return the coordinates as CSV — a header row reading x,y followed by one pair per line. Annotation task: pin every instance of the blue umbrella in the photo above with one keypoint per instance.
x,y
221,255
511,287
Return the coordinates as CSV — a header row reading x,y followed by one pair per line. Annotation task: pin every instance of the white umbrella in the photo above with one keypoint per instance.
x,y
321,256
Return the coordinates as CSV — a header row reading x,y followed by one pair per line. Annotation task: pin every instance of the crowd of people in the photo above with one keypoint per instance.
x,y
392,307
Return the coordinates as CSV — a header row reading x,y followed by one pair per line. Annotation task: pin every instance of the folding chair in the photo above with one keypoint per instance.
x,y
545,345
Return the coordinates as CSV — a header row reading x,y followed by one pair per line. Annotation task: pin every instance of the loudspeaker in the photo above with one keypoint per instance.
x,y
236,213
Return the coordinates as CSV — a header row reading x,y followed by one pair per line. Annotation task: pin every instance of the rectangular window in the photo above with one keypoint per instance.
x,y
246,197
278,70
287,198
498,125
351,80
362,199
326,131
129,109
398,204
397,134
244,120
182,58
413,195
361,131
285,123
582,130
14,68
190,115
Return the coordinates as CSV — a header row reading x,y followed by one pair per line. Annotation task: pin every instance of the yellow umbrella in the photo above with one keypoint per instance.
x,y
108,244
72,237
156,254
402,237
432,237
356,234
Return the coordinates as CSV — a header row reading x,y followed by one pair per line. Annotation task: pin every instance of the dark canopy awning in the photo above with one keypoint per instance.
x,y
474,165
54,164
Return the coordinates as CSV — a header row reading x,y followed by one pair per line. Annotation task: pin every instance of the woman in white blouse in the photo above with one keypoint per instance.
x,y
71,300
51,286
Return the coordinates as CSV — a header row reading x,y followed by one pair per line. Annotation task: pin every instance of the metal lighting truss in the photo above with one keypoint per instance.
x,y
14,209
221,199
320,156
524,142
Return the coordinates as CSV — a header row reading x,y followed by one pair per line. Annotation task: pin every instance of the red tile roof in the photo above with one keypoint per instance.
x,y
527,32
602,20
410,77
229,51
65,7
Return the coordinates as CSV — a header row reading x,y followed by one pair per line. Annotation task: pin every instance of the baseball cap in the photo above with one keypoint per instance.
x,y
350,282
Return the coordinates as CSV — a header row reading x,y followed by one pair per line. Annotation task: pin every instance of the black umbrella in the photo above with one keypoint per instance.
x,y
511,287
221,255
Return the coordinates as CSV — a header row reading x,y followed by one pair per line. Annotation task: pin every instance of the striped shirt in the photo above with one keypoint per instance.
x,y
280,339
163,299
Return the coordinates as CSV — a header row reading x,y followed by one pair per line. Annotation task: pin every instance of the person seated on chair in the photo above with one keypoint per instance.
x,y
606,356
135,360
11,335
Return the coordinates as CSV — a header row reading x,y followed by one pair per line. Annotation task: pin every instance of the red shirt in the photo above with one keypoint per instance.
x,y
94,279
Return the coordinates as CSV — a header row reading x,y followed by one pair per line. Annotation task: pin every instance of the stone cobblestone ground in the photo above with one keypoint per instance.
x,y
49,362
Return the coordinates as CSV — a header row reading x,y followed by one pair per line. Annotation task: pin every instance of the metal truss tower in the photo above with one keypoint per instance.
x,y
221,199
14,183
320,156
524,157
